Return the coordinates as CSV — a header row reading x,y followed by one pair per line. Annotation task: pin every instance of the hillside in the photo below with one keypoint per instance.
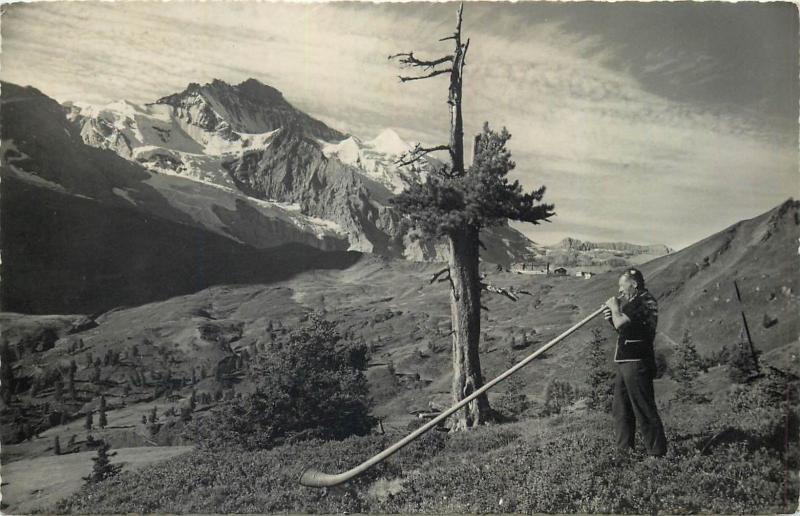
x,y
85,230
390,305
88,257
695,285
201,341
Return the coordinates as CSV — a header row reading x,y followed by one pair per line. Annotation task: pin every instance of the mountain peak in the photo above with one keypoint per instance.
x,y
389,142
250,88
248,107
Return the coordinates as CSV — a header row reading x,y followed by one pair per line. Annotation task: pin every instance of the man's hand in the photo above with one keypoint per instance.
x,y
612,304
613,314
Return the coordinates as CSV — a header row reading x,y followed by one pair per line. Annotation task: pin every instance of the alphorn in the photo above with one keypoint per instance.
x,y
315,478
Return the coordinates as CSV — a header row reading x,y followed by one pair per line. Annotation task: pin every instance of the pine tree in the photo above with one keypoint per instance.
x,y
144,419
185,412
687,369
558,396
102,468
56,446
59,390
102,422
89,423
153,416
7,380
743,362
453,204
513,401
600,377
71,387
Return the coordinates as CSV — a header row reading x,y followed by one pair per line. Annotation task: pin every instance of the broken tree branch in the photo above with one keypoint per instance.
x,y
427,76
499,290
409,59
417,153
436,275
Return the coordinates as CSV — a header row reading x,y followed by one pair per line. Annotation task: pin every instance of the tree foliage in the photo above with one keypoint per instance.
x,y
558,396
688,366
102,468
600,376
742,362
102,421
443,203
314,385
512,402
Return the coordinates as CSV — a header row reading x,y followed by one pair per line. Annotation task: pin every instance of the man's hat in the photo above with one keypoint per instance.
x,y
635,275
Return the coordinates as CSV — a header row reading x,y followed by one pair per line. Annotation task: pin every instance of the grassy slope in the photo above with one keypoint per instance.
x,y
33,484
88,256
556,464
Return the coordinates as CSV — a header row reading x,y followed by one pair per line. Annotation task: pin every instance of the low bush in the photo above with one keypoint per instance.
x,y
558,396
560,464
572,467
312,386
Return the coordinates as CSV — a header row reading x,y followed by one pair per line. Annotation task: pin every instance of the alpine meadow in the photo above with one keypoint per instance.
x,y
432,257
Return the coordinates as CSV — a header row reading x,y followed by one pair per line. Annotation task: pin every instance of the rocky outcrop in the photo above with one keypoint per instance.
x,y
624,247
293,169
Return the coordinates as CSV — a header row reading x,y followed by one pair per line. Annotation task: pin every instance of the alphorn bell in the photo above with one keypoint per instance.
x,y
315,478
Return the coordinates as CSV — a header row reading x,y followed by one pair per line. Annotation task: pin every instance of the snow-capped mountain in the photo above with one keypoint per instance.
x,y
190,142
378,158
247,139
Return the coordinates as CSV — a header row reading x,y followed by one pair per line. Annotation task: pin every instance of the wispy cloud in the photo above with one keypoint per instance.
x,y
625,138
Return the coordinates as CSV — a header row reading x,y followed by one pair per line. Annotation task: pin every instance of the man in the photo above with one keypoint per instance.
x,y
634,398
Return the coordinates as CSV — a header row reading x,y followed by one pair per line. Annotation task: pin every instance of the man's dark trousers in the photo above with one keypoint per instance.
x,y
634,401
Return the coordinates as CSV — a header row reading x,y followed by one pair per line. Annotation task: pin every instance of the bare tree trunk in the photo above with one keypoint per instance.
x,y
454,99
465,295
465,308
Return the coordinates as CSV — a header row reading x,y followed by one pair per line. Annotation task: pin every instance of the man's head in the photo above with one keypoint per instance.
x,y
631,283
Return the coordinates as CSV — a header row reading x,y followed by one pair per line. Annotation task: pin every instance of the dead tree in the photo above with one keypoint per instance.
x,y
454,203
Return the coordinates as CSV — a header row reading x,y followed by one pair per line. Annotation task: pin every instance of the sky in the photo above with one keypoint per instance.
x,y
652,123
